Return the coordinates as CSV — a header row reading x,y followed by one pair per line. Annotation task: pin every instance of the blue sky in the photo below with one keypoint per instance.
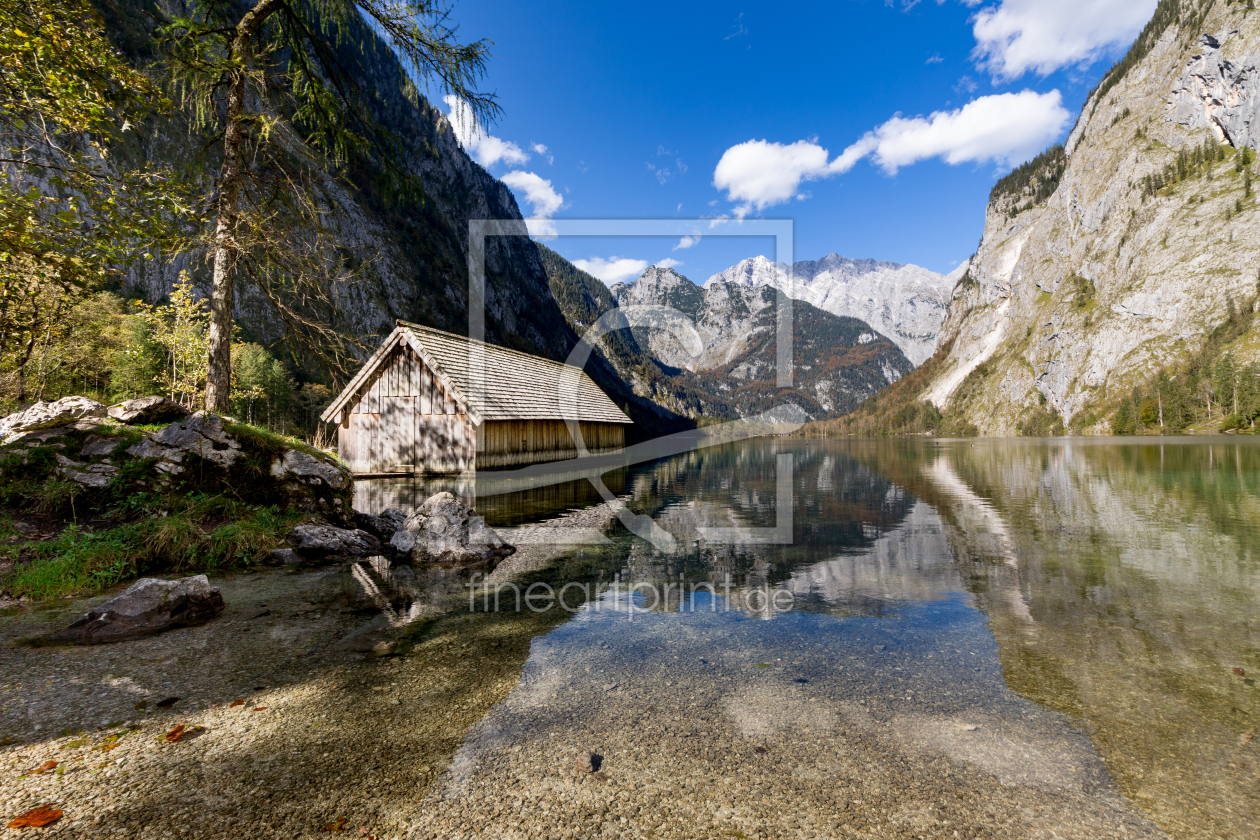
x,y
878,127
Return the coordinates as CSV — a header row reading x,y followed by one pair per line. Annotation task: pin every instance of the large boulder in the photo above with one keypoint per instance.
x,y
148,410
446,533
382,526
320,542
148,606
201,434
44,415
300,466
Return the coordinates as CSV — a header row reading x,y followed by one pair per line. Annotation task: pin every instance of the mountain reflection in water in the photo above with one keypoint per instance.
x,y
1115,582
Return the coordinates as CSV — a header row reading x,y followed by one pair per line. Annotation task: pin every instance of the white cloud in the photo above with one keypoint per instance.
x,y
541,228
966,86
663,175
668,262
542,151
488,150
1018,36
759,174
542,197
1007,128
612,270
687,242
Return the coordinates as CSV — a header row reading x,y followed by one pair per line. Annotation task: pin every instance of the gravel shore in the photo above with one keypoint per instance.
x,y
707,725
323,737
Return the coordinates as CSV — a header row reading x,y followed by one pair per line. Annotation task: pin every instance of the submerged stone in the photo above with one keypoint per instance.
x,y
148,606
318,542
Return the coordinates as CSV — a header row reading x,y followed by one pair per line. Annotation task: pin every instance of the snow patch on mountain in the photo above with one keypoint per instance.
x,y
907,303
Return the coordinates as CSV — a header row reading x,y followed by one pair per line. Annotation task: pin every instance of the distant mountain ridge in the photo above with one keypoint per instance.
x,y
906,303
837,361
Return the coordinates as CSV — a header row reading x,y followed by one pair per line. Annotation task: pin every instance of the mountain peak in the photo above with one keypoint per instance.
x,y
660,286
904,302
661,274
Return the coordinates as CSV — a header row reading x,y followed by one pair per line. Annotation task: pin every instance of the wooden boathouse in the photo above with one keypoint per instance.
x,y
414,408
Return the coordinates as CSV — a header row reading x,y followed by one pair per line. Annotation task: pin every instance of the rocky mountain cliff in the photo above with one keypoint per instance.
x,y
904,302
1120,253
409,255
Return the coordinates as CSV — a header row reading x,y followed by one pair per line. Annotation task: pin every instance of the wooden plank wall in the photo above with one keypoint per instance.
x,y
404,419
504,443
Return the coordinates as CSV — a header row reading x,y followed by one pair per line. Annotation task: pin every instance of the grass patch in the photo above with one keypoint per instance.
x,y
199,516
267,442
211,534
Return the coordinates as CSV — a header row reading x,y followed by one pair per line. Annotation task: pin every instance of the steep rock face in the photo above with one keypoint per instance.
x,y
1218,93
409,255
904,302
1070,302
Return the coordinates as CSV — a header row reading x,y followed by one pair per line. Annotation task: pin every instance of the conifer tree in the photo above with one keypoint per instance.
x,y
272,73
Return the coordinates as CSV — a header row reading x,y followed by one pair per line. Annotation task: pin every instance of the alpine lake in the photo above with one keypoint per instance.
x,y
876,638
769,638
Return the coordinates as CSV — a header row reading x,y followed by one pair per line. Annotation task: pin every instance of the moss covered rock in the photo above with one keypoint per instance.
x,y
119,500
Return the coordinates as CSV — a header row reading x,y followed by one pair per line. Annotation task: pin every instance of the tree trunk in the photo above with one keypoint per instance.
x,y
226,249
231,180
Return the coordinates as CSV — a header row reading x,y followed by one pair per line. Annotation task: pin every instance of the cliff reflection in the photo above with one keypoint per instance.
x,y
1122,584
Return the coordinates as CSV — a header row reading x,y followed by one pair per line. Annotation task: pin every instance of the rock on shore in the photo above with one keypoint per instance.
x,y
88,444
148,606
446,533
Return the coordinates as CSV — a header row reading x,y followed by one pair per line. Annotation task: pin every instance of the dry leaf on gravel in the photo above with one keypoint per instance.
x,y
37,817
175,734
337,825
45,767
261,709
236,703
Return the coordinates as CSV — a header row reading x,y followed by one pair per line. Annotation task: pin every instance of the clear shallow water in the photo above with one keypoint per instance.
x,y
1045,630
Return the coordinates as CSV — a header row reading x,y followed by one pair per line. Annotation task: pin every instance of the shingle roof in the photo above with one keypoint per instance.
x,y
517,386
